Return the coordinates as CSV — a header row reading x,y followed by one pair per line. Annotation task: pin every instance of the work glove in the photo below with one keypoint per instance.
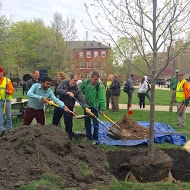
x,y
186,102
6,93
88,110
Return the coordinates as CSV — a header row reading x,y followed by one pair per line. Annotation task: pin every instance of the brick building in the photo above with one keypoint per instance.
x,y
88,56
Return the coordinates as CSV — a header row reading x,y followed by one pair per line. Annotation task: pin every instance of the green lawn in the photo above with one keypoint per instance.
x,y
162,97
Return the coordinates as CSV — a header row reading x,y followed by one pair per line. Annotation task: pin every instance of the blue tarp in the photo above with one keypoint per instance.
x,y
170,135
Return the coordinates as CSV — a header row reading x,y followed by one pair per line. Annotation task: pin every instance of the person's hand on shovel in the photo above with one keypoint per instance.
x,y
66,109
186,102
88,111
102,112
6,92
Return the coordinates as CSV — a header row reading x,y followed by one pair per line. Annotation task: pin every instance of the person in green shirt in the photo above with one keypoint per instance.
x,y
173,86
94,96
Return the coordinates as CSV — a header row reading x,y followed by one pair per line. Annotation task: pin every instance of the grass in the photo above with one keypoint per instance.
x,y
162,97
84,170
47,181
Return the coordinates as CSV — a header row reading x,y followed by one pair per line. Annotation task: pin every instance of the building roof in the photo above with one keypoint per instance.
x,y
87,45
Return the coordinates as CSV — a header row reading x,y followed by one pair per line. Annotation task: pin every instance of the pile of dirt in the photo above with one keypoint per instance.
x,y
29,152
131,130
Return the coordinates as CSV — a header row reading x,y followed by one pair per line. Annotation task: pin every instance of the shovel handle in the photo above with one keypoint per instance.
x,y
110,120
4,108
53,104
56,105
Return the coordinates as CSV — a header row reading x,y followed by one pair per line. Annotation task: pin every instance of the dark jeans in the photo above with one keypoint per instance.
x,y
129,99
68,120
142,99
108,96
88,127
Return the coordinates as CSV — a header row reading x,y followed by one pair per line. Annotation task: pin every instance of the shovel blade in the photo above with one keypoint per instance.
x,y
115,132
110,135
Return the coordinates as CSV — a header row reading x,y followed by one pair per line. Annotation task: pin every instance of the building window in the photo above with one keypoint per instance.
x,y
81,65
95,53
80,54
96,65
81,75
88,65
103,53
88,54
89,75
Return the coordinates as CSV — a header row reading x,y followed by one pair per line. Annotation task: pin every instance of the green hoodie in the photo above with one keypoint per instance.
x,y
94,94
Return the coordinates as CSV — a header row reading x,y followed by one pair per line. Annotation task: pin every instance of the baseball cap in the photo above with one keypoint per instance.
x,y
1,69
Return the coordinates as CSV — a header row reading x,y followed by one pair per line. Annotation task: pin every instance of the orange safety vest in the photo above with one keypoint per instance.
x,y
3,88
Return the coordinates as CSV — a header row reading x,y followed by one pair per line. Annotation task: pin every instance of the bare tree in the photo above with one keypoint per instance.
x,y
64,30
152,25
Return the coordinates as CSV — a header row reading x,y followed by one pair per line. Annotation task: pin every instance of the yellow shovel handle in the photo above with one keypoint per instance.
x,y
4,108
108,118
52,103
88,111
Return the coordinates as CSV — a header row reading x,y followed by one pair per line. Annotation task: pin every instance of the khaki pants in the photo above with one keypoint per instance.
x,y
181,114
172,100
115,103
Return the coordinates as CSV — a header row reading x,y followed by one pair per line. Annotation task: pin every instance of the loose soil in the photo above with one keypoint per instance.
x,y
29,152
131,130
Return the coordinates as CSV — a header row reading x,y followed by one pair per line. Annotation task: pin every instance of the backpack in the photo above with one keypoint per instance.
x,y
149,87
97,87
126,88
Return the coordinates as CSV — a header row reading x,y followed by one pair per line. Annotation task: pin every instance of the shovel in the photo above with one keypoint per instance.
x,y
112,130
74,114
110,120
56,105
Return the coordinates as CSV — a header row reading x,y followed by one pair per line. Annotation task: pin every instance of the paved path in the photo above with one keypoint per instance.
x,y
147,107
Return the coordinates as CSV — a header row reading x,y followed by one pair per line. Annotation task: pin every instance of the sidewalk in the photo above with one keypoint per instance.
x,y
157,107
147,107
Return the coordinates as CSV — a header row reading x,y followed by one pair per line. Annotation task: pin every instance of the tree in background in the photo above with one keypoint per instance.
x,y
64,31
4,35
152,25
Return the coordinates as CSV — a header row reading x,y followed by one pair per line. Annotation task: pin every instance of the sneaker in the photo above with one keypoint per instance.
x,y
94,142
2,132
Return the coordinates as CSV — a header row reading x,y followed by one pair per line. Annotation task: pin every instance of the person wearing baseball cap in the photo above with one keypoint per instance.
x,y
6,91
173,86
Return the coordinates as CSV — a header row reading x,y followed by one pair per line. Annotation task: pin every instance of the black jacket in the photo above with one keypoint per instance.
x,y
30,82
62,90
115,88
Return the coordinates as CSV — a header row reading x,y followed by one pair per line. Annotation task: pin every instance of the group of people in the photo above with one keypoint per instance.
x,y
113,91
90,93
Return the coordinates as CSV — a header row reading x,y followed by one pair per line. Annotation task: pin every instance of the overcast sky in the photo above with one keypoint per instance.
x,y
44,9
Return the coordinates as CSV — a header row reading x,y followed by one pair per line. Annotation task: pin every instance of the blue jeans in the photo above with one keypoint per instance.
x,y
8,115
88,126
